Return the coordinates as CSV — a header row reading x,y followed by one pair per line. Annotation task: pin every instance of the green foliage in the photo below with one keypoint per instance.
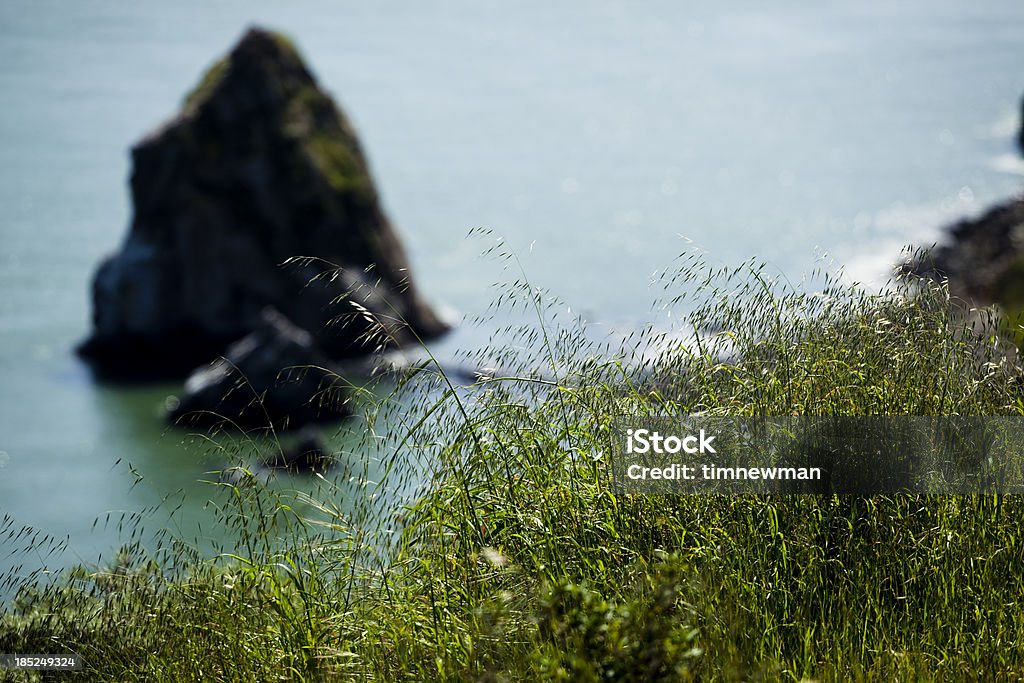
x,y
518,560
644,639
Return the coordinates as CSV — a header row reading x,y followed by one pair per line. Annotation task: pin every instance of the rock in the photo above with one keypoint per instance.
x,y
258,168
308,454
1020,134
984,259
274,378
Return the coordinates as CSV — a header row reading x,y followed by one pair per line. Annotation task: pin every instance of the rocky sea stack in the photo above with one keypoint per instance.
x,y
256,194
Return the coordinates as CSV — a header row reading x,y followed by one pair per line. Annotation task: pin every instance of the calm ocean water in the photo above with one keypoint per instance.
x,y
597,137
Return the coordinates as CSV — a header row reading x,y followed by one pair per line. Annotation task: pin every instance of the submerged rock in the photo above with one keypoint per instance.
x,y
258,168
274,378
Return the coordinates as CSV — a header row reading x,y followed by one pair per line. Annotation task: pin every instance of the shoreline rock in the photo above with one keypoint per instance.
x,y
983,261
259,169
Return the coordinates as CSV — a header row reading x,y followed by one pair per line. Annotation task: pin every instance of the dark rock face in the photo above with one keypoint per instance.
x,y
274,378
1020,135
259,167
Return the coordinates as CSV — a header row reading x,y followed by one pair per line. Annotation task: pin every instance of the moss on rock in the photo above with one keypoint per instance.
x,y
213,76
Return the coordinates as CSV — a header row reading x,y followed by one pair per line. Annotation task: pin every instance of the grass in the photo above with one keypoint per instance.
x,y
518,560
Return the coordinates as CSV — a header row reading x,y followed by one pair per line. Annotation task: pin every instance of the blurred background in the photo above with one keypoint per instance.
x,y
598,138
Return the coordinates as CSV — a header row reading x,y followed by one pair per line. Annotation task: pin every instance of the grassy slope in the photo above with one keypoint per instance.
x,y
520,562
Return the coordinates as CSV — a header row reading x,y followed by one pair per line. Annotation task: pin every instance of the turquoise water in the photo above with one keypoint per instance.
x,y
599,138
